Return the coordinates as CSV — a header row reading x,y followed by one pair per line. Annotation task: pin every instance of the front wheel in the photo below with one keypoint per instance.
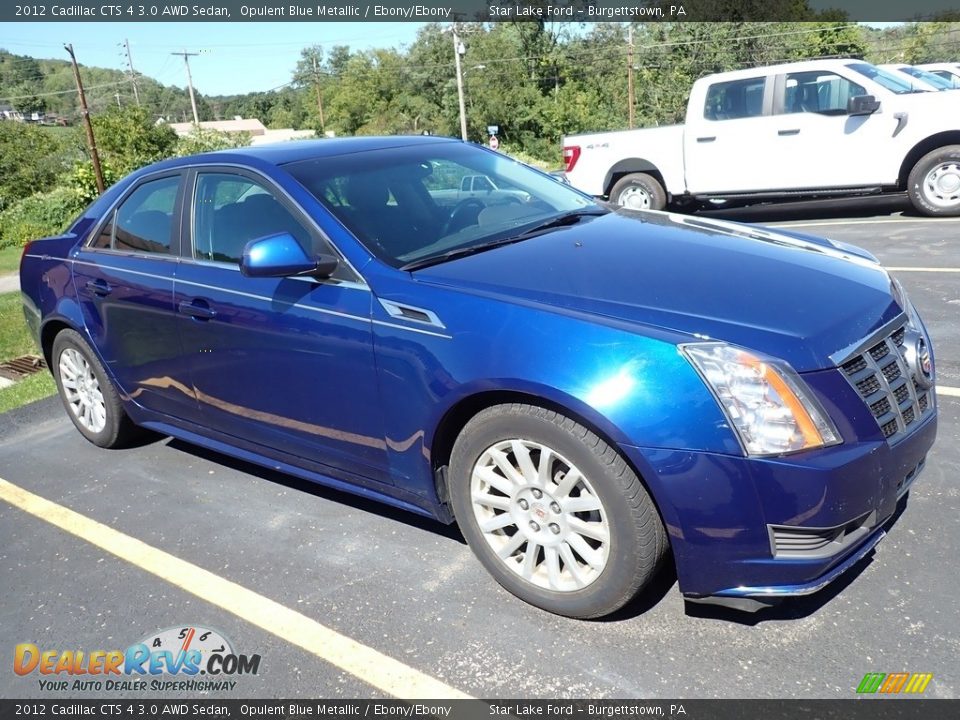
x,y
934,182
87,393
639,191
553,512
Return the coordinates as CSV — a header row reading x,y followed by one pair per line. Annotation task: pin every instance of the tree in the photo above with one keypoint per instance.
x,y
31,160
127,139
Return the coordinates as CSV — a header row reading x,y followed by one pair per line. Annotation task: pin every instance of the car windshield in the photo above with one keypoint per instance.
x,y
884,78
426,201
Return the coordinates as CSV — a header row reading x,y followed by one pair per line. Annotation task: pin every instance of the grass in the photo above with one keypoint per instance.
x,y
34,387
15,340
10,260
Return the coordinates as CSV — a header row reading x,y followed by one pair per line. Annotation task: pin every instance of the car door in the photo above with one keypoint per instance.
x,y
124,281
728,145
820,145
285,363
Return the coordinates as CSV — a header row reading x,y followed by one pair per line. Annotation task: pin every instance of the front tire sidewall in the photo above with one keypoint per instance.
x,y
617,582
108,436
648,183
915,183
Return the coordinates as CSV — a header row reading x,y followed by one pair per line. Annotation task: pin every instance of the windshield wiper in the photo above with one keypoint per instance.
x,y
568,218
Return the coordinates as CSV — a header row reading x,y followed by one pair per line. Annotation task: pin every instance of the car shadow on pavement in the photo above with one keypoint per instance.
x,y
838,209
796,607
322,491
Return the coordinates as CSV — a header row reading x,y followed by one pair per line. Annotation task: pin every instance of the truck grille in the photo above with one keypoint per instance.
x,y
880,375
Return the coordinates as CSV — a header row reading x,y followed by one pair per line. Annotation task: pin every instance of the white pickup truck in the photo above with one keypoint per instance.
x,y
819,128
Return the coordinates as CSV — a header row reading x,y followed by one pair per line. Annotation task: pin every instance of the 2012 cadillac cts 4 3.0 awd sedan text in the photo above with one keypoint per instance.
x,y
582,390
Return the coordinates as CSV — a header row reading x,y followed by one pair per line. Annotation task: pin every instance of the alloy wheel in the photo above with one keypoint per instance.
x,y
540,515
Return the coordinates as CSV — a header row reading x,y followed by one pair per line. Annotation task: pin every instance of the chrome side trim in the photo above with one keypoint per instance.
x,y
410,329
264,298
233,267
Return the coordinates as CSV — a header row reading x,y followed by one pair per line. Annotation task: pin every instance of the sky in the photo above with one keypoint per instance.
x,y
234,57
238,57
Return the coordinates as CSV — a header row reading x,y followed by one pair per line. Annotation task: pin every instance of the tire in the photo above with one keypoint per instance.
x,y
88,395
639,191
934,182
587,562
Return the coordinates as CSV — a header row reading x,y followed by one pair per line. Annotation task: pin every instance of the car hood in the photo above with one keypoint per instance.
x,y
791,296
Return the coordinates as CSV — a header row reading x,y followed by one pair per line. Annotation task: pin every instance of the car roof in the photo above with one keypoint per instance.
x,y
291,151
798,66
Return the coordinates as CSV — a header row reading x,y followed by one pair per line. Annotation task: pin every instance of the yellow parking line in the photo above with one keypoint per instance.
x,y
923,269
372,667
948,391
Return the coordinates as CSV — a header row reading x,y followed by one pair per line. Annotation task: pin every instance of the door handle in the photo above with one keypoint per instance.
x,y
197,309
709,138
792,131
99,287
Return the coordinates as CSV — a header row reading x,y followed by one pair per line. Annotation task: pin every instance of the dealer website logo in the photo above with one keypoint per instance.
x,y
185,653
894,683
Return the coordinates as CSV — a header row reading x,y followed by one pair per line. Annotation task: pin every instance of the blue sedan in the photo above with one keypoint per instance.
x,y
587,392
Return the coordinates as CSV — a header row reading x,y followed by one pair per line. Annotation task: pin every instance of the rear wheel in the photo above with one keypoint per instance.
x,y
639,191
934,182
87,393
553,512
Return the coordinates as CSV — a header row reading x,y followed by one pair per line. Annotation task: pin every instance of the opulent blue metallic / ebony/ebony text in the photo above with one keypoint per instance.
x,y
424,322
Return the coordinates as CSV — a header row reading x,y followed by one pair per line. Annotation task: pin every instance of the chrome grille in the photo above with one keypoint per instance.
x,y
880,375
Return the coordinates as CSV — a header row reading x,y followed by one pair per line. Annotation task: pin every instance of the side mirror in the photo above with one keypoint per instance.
x,y
280,255
862,105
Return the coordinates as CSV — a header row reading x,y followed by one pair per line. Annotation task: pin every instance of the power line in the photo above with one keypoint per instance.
x,y
61,92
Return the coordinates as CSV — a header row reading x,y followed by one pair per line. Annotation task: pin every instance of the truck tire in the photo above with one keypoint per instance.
x,y
639,191
934,182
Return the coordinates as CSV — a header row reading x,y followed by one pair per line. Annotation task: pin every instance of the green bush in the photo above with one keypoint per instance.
x,y
201,140
83,182
31,160
38,216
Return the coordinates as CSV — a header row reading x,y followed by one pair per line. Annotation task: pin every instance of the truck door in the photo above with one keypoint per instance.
x,y
723,151
820,145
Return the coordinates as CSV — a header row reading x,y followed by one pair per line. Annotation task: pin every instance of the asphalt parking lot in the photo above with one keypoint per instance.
x,y
347,570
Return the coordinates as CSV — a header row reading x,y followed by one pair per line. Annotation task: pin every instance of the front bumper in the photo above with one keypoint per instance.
x,y
719,511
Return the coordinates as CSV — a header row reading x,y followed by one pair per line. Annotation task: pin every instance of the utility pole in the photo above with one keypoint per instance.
x,y
458,51
193,101
91,143
316,84
133,73
117,96
631,100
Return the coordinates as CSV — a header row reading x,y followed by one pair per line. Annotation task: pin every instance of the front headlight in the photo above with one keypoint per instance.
x,y
765,400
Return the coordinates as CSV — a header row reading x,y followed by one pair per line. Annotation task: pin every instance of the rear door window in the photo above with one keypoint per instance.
x,y
143,222
735,99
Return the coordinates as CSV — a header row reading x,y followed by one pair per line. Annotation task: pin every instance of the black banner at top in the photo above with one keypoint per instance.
x,y
477,10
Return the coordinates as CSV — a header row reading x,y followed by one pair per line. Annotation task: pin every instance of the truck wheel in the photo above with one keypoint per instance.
x,y
934,182
553,512
639,191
